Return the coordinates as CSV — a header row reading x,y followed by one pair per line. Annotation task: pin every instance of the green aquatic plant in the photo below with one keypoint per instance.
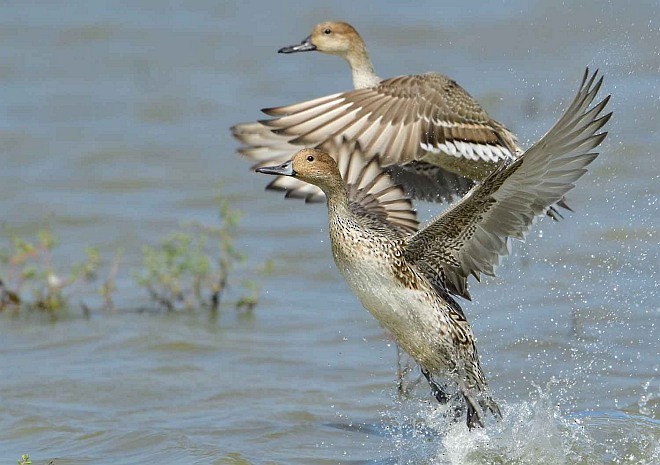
x,y
190,268
176,272
109,286
32,280
25,460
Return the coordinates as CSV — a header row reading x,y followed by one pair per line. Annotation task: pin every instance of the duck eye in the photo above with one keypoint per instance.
x,y
310,158
327,31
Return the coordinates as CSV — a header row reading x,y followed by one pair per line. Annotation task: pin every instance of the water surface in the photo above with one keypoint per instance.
x,y
114,124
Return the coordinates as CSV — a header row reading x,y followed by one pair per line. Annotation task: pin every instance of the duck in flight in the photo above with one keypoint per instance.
x,y
430,135
409,278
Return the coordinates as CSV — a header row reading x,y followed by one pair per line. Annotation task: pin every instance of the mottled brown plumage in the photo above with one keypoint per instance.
x,y
402,119
413,123
407,279
371,189
470,236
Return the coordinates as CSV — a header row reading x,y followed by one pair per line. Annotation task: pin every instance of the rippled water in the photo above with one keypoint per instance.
x,y
113,130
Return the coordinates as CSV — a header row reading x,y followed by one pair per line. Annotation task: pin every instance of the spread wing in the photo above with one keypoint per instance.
x,y
401,120
372,192
262,145
469,237
428,182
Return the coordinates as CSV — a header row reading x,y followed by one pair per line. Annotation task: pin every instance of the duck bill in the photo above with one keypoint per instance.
x,y
304,46
285,169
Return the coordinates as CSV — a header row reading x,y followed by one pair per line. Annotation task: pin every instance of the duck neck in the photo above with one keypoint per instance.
x,y
343,229
362,68
337,200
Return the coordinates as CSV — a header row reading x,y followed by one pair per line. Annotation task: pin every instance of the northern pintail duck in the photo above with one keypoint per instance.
x,y
429,133
408,278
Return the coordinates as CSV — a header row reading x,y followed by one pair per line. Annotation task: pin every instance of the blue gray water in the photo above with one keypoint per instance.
x,y
114,124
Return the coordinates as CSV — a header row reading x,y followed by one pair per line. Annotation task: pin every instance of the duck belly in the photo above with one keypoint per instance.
x,y
415,317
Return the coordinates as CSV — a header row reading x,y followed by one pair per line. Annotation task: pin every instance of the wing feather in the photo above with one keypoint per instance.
x,y
470,237
371,189
401,120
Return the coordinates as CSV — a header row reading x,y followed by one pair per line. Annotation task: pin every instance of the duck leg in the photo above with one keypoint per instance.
x,y
443,398
440,395
473,417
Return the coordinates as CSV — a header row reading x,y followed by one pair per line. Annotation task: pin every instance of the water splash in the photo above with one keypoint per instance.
x,y
533,431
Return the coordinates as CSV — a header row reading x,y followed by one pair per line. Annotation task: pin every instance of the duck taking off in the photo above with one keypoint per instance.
x,y
428,132
408,278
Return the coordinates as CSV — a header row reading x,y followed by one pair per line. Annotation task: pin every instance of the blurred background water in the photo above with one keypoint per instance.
x,y
114,124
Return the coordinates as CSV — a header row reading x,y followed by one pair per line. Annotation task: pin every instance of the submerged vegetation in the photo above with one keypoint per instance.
x,y
33,281
189,268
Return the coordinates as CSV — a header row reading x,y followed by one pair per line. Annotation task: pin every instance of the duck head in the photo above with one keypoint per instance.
x,y
333,37
310,165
